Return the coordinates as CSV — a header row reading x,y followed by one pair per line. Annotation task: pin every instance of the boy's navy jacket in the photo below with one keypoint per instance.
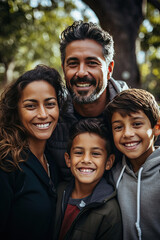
x,y
100,219
139,198
28,201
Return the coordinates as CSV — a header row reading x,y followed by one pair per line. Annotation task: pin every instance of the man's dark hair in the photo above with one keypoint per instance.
x,y
93,125
80,30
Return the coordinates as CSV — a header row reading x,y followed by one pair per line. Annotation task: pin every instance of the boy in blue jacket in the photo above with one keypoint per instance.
x,y
87,207
134,115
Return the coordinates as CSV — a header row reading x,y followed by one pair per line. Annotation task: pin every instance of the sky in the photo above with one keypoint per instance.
x,y
76,14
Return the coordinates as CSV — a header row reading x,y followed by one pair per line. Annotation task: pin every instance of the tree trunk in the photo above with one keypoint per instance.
x,y
122,19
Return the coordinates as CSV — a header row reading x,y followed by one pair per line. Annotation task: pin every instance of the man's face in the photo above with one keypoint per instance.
x,y
85,70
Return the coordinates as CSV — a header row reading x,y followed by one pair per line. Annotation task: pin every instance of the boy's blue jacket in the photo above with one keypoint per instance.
x,y
139,198
100,219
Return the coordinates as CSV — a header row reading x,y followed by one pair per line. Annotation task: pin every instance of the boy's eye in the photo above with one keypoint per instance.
x,y
78,152
137,124
117,128
96,154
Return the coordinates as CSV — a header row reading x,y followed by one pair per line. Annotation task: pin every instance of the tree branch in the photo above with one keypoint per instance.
x,y
155,3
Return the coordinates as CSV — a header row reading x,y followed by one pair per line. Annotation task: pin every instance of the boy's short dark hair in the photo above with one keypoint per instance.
x,y
131,101
93,125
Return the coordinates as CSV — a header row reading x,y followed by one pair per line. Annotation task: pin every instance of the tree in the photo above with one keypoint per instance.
x,y
150,49
122,18
30,35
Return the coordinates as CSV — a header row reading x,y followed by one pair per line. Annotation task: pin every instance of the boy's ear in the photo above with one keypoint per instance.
x,y
156,129
110,161
67,159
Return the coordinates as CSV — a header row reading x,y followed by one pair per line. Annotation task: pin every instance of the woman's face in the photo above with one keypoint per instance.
x,y
38,110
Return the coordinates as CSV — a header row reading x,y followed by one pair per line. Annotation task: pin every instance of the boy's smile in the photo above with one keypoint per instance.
x,y
133,136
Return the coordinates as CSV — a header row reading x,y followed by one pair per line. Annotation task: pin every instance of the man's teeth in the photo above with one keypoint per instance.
x,y
83,84
131,144
42,125
86,170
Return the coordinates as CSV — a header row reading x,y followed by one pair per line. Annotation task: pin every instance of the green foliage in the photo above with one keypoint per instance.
x,y
150,45
30,35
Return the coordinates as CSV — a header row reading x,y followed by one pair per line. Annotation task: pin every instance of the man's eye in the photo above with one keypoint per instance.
x,y
72,64
93,63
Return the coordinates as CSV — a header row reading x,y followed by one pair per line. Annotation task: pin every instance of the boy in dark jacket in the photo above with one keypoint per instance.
x,y
87,207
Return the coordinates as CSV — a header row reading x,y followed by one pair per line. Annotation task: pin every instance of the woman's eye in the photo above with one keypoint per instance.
x,y
30,106
51,104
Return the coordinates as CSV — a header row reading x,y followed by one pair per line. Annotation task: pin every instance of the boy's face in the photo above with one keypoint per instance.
x,y
88,159
133,136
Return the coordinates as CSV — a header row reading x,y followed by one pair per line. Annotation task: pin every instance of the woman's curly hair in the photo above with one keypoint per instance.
x,y
13,136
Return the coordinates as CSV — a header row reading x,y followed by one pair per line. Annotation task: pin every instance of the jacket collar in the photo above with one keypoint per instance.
x,y
34,164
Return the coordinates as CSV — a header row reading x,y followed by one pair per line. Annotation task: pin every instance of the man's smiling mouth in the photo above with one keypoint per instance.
x,y
83,84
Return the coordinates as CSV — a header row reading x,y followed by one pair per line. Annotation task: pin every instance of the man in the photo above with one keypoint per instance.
x,y
87,61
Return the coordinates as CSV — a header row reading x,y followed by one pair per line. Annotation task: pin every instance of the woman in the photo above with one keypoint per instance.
x,y
29,111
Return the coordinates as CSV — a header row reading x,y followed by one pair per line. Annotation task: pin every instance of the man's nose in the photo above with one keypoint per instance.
x,y
82,71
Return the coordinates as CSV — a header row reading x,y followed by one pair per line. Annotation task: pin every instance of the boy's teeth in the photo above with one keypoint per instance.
x,y
86,170
42,125
130,144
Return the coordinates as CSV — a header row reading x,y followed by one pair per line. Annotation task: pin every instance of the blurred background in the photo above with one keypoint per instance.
x,y
30,30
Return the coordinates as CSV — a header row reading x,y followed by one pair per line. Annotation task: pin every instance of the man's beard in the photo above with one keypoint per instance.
x,y
82,98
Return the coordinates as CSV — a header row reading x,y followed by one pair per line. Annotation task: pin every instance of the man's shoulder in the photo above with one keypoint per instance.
x,y
116,86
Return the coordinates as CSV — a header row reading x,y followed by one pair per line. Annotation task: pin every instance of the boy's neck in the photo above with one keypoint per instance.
x,y
138,162
82,190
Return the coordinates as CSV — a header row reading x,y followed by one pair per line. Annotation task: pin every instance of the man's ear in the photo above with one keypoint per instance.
x,y
110,161
67,159
156,129
110,69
